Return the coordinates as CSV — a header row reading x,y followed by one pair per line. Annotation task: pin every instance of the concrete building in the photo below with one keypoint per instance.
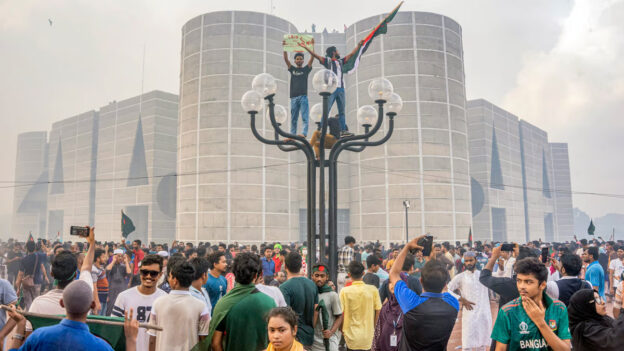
x,y
426,161
136,167
520,183
496,173
240,189
72,164
30,195
562,191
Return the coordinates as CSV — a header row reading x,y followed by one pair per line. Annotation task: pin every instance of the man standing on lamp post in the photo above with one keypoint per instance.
x,y
332,61
299,90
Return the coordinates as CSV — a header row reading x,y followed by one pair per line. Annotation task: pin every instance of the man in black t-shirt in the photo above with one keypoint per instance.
x,y
299,91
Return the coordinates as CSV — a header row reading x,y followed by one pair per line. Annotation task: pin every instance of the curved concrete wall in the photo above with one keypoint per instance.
x,y
426,160
232,186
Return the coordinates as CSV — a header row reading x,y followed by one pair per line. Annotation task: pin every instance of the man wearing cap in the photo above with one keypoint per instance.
x,y
72,333
118,270
475,302
330,312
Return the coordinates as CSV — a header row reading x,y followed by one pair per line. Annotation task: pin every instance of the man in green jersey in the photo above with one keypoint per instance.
x,y
533,321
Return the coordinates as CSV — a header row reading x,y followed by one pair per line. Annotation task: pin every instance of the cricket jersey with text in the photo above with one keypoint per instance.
x,y
514,327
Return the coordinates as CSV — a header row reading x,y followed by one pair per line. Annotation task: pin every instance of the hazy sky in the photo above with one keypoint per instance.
x,y
555,63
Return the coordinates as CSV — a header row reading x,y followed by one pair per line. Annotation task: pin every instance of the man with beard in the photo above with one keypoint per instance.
x,y
330,312
533,321
100,281
476,305
118,270
140,298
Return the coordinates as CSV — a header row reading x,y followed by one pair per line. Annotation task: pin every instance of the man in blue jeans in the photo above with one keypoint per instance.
x,y
334,62
299,91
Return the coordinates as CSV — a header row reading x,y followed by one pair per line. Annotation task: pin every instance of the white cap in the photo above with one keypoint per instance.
x,y
163,254
118,252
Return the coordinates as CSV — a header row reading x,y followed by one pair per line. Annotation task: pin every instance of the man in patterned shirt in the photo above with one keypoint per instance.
x,y
346,254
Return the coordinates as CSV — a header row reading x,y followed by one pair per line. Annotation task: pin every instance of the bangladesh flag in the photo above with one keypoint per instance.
x,y
127,226
112,334
591,229
381,28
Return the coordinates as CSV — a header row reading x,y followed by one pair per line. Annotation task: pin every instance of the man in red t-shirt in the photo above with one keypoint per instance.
x,y
139,255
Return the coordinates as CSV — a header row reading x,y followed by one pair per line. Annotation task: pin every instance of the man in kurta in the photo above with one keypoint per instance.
x,y
476,313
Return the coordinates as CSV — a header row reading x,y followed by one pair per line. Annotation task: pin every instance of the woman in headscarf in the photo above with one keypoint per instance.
x,y
590,326
390,324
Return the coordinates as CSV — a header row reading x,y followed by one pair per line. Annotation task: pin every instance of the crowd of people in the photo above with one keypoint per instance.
x,y
551,296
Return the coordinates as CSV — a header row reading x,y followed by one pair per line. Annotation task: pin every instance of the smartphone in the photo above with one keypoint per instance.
x,y
426,243
507,247
79,231
544,254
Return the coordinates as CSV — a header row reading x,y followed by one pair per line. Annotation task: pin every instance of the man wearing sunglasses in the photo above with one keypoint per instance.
x,y
140,298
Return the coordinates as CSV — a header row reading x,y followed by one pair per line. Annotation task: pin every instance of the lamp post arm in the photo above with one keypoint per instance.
x,y
336,152
360,148
292,145
305,144
366,135
264,140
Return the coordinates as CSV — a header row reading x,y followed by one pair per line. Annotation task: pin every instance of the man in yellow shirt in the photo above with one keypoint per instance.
x,y
360,305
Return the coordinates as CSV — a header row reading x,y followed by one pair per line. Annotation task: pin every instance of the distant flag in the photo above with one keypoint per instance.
x,y
127,226
30,237
381,28
591,229
470,237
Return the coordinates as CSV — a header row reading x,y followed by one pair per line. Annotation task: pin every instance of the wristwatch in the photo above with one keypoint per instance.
x,y
18,337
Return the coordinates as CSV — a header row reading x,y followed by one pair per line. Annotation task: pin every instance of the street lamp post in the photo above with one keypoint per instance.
x,y
325,83
406,203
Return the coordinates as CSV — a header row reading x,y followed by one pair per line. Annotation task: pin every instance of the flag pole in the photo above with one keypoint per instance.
x,y
96,321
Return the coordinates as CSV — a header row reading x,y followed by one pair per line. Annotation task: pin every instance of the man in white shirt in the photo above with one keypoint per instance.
x,y
141,298
272,291
196,289
184,319
616,267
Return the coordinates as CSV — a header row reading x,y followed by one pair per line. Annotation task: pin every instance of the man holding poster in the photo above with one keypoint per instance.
x,y
298,90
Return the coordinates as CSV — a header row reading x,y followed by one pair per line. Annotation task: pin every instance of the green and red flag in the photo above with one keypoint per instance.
x,y
112,334
127,226
591,229
381,28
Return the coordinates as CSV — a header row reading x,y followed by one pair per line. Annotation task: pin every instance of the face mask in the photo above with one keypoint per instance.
x,y
304,252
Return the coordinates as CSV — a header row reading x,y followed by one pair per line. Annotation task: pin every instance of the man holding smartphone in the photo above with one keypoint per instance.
x,y
429,318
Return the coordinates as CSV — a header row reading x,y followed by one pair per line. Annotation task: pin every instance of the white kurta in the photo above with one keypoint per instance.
x,y
477,323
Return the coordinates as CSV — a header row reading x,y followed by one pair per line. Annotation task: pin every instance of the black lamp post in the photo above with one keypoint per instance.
x,y
325,82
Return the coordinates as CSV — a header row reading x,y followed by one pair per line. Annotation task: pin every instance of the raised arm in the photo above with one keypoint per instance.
x,y
87,264
355,49
286,60
314,55
395,272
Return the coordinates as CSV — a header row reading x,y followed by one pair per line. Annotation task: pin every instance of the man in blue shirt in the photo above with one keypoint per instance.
x,y
216,285
429,318
72,333
268,265
595,273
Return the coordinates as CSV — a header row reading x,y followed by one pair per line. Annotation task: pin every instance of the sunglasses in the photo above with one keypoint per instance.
x,y
145,272
598,299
